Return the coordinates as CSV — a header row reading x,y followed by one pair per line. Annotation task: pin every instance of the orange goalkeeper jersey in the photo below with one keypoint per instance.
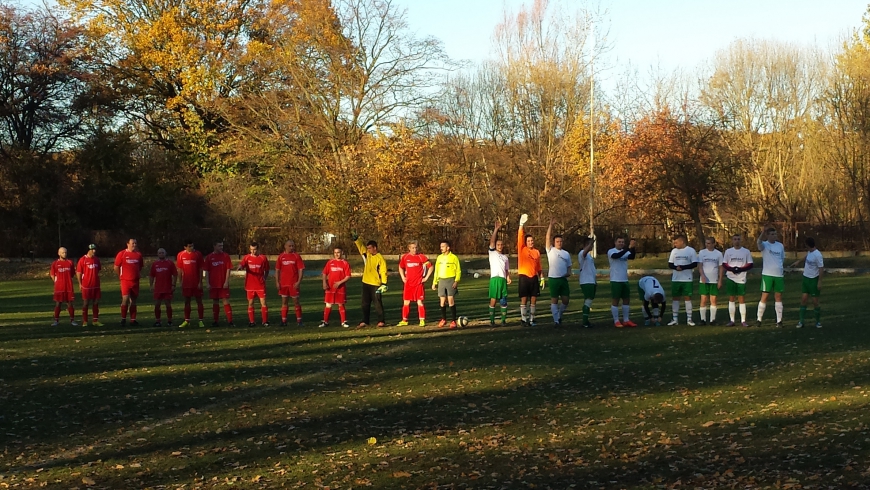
x,y
528,259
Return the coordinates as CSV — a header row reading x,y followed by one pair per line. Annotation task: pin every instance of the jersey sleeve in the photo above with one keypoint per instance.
x,y
403,262
153,272
301,263
521,242
80,268
244,262
119,261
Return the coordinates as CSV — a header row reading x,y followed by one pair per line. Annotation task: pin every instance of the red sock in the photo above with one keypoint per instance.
x,y
72,312
342,313
157,312
284,310
228,311
187,312
405,310
200,310
169,313
215,309
124,311
327,310
264,314
250,314
96,313
298,313
56,312
84,315
132,312
421,310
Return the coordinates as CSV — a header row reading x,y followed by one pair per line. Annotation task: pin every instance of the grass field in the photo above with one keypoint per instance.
x,y
668,407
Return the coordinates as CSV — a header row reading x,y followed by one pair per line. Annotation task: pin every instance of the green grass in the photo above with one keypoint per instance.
x,y
509,407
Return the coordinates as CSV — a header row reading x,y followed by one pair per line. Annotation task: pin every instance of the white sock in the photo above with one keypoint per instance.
x,y
625,309
614,310
742,312
703,310
761,308
675,309
554,309
713,313
523,312
588,303
732,310
562,308
778,308
532,313
689,310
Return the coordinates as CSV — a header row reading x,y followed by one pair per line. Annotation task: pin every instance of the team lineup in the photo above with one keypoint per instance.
x,y
197,273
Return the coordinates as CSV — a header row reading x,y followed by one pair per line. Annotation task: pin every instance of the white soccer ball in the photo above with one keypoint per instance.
x,y
463,321
477,275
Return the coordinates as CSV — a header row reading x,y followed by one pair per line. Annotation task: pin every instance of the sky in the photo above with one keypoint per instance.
x,y
647,34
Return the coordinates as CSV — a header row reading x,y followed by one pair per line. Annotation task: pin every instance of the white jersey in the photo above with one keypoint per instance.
x,y
619,265
499,264
735,257
587,268
558,262
650,286
772,257
815,261
683,256
710,262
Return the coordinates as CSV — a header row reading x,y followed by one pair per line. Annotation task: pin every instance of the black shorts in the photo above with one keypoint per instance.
x,y
529,286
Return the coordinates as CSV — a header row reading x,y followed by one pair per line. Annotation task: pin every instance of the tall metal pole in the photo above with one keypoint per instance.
x,y
592,144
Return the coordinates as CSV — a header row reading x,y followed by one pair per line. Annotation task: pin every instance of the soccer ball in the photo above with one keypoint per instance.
x,y
463,321
476,275
503,302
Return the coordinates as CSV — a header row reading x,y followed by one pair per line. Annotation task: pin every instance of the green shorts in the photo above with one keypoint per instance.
x,y
734,289
497,288
708,289
771,284
810,286
680,289
588,290
641,294
558,287
619,290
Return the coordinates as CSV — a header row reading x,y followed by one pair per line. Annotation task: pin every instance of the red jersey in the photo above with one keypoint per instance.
x,y
89,268
131,264
191,266
414,267
336,270
291,267
62,270
217,265
256,269
163,271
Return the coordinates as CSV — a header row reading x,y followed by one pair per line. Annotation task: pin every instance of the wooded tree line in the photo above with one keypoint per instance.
x,y
146,116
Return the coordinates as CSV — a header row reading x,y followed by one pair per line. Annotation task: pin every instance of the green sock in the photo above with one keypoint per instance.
x,y
503,314
803,313
818,314
491,314
585,314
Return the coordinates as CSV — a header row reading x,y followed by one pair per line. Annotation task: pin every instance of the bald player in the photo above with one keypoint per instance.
x,y
61,274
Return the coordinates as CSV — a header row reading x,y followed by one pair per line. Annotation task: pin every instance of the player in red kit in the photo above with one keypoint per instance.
x,y
217,266
61,273
415,269
336,273
190,265
256,269
162,281
128,266
288,276
88,274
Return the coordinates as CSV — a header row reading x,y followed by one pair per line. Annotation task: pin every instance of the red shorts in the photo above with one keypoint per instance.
x,y
260,294
219,293
335,297
414,293
130,288
64,297
91,294
162,296
288,291
191,292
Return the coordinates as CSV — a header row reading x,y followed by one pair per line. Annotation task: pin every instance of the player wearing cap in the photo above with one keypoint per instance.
x,y
128,267
88,275
61,273
162,280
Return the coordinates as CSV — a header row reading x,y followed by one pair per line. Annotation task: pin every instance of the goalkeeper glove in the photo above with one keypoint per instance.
x,y
523,219
541,282
382,289
354,235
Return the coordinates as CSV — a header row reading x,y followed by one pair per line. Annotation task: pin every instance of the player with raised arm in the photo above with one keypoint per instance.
x,y
588,278
682,260
414,269
446,281
61,274
256,267
652,294
735,262
374,279
499,276
190,263
618,256
531,276
811,287
711,280
772,259
88,274
162,281
336,273
558,272
288,277
128,267
217,266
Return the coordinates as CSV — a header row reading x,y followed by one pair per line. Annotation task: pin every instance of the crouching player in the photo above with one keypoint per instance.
x,y
651,292
336,273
